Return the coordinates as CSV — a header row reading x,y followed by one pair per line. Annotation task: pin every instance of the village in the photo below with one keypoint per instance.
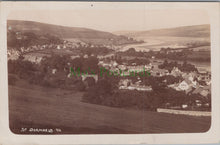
x,y
191,82
181,77
107,78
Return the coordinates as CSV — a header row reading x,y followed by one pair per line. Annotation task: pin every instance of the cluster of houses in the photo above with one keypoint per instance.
x,y
73,44
30,53
125,83
13,54
191,82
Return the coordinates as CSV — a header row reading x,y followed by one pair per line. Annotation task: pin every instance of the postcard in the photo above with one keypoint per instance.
x,y
109,72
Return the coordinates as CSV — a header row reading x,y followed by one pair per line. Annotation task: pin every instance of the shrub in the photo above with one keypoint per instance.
x,y
80,86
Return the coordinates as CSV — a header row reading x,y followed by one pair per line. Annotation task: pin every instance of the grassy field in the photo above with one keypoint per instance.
x,y
200,55
33,106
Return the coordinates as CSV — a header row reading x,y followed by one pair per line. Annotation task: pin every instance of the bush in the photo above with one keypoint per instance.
x,y
90,81
80,86
122,99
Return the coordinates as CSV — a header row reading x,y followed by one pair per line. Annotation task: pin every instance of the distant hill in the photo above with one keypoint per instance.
x,y
185,31
63,32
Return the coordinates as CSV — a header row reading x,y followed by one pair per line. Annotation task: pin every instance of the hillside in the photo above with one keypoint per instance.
x,y
63,32
65,111
185,31
178,37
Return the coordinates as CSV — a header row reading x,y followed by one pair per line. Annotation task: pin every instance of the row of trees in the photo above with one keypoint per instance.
x,y
97,50
41,74
183,55
104,93
168,53
185,67
132,52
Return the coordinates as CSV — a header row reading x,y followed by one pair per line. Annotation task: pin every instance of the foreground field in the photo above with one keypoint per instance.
x,y
47,108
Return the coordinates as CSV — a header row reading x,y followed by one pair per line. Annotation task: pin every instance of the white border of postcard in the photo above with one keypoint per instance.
x,y
212,136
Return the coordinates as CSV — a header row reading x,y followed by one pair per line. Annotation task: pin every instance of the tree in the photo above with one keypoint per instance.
x,y
91,63
81,86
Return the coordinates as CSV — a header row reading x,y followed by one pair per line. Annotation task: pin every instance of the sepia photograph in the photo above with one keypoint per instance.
x,y
131,70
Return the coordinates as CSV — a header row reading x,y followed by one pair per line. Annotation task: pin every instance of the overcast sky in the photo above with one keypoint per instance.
x,y
115,19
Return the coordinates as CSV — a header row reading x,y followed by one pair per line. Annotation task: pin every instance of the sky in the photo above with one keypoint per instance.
x,y
113,20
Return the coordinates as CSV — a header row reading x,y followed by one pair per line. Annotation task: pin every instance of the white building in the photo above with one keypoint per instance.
x,y
54,71
183,86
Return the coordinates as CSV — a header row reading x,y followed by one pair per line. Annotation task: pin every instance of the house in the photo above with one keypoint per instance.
x,y
197,90
90,76
124,82
176,72
122,67
148,67
138,82
85,56
202,70
208,87
54,71
58,47
139,88
133,64
74,56
101,63
191,79
137,68
158,72
194,84
13,54
144,88
184,85
184,106
204,91
125,73
114,63
208,82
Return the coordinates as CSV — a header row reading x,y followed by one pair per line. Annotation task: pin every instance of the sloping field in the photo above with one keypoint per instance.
x,y
184,31
37,107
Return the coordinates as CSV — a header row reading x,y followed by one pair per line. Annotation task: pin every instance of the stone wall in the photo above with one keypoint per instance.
x,y
184,112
